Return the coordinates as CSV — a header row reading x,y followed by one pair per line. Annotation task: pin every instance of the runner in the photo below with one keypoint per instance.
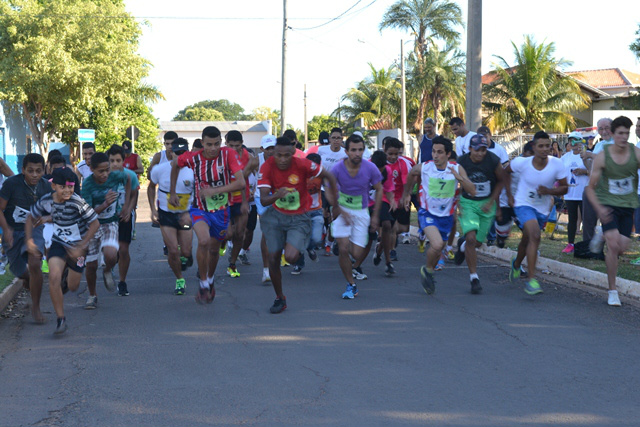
x,y
532,202
212,169
17,195
75,223
125,228
84,167
197,145
267,145
252,220
438,194
463,135
293,137
174,221
478,209
323,139
352,223
165,155
133,162
612,191
100,191
283,182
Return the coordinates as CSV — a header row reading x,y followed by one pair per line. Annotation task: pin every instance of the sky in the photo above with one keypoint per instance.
x,y
212,49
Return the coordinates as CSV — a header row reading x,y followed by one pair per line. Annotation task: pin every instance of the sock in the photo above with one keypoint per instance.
x,y
242,252
210,280
464,245
473,276
204,284
265,271
613,292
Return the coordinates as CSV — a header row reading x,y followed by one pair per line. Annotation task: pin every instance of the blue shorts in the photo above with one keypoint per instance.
x,y
527,213
217,221
442,223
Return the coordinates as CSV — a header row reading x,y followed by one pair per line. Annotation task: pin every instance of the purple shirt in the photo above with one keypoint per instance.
x,y
354,191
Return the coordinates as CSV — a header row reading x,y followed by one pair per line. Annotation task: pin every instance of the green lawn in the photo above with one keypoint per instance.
x,y
5,280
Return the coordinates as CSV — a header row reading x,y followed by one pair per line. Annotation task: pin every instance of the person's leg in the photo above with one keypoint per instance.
x,y
436,245
239,227
124,260
532,231
343,258
616,245
275,273
34,265
470,252
170,238
201,230
572,212
589,219
214,257
91,274
387,240
185,241
56,267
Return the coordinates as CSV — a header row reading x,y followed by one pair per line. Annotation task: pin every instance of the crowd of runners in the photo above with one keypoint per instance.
x,y
337,199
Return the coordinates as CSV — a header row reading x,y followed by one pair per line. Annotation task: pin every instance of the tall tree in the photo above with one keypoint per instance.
x,y
199,114
230,110
62,59
532,94
635,46
321,123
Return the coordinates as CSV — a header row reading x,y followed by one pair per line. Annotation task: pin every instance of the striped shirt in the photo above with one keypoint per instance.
x,y
71,219
214,172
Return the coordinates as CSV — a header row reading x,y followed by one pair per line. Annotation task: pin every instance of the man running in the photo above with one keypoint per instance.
x,y
478,210
612,191
282,181
165,155
351,227
84,167
463,135
267,146
532,202
212,169
174,221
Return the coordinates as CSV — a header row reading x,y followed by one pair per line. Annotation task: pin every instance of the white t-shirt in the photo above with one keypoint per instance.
x,y
577,183
330,158
499,151
161,175
600,145
531,178
84,169
462,143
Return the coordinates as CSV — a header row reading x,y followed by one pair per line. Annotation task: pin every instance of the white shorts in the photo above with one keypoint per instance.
x,y
107,235
47,233
357,231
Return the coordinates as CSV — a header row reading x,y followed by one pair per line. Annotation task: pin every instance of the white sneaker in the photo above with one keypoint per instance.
x,y
406,238
597,243
265,277
614,300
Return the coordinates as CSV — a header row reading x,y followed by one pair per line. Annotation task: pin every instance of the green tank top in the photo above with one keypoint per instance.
x,y
618,185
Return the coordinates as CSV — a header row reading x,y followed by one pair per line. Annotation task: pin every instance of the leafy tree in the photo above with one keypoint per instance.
x,y
533,94
60,60
635,46
229,110
265,113
321,123
199,114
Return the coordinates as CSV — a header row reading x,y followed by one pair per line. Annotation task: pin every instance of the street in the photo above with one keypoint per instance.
x,y
392,356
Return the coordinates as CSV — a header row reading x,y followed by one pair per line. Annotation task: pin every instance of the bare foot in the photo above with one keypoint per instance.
x,y
25,284
37,316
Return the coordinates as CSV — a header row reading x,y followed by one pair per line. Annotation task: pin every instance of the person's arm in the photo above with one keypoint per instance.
x,y
154,161
125,214
412,178
32,248
604,214
5,169
465,182
175,171
139,167
331,190
375,215
151,197
7,231
79,248
236,185
251,167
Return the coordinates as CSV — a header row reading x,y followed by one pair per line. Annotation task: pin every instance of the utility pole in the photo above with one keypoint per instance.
x,y
306,130
403,99
283,88
473,115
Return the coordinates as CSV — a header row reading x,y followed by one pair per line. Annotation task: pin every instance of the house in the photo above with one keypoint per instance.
x,y
252,131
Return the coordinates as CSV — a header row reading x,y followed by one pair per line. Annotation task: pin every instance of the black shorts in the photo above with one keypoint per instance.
x,y
172,219
57,250
622,220
385,213
124,231
402,215
253,218
507,215
234,210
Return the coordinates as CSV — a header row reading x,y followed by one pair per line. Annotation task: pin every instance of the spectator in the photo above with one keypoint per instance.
x,y
578,178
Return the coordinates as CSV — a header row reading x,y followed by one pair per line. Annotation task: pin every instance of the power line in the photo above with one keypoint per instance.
x,y
332,19
176,18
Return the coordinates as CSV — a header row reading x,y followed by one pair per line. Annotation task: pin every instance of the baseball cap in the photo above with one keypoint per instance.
x,y
126,146
484,130
478,141
63,176
323,138
359,134
575,135
268,141
179,145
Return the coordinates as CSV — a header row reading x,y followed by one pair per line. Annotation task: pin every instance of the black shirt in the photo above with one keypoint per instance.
x,y
483,174
20,196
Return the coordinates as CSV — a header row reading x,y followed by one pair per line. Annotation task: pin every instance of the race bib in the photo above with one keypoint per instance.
x,y
217,202
183,202
20,215
483,189
621,187
441,188
69,233
535,198
290,202
109,212
351,202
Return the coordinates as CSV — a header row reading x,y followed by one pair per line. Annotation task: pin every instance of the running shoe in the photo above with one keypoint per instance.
x,y
180,287
327,250
313,256
532,287
233,271
204,296
377,257
109,281
165,250
613,299
183,263
451,255
351,292
358,274
491,242
296,270
133,235
265,277
122,289
393,255
421,246
597,242
283,262
406,238
459,257
568,249
428,282
514,273
335,249
189,261
92,302
389,270
500,241
636,261
45,266
279,305
244,259
61,326
475,286
440,265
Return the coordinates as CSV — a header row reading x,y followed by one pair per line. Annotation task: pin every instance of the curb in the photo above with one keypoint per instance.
x,y
9,293
568,271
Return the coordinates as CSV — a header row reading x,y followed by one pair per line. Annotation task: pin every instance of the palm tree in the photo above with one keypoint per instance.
x,y
533,94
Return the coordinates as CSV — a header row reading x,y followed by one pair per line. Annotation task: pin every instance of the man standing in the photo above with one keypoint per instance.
x,y
282,181
424,154
478,210
84,167
463,135
578,176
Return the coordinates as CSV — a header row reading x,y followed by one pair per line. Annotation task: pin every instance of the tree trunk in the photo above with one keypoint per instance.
x,y
417,124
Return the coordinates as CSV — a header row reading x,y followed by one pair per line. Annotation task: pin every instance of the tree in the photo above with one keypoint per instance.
x,y
321,123
199,114
229,110
62,59
635,46
533,94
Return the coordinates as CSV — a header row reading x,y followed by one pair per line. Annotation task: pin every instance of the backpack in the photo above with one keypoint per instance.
x,y
581,250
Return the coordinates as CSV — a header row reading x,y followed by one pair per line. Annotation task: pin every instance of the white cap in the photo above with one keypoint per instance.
x,y
268,141
575,135
359,134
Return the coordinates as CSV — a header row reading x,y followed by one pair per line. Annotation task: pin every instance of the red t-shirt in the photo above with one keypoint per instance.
x,y
295,178
236,196
399,172
214,172
131,162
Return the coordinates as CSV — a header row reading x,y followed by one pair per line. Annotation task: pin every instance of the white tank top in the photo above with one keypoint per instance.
x,y
438,189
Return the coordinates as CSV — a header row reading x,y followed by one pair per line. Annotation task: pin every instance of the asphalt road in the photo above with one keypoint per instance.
x,y
393,356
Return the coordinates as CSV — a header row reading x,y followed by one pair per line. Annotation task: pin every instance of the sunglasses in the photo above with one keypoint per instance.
x,y
575,141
